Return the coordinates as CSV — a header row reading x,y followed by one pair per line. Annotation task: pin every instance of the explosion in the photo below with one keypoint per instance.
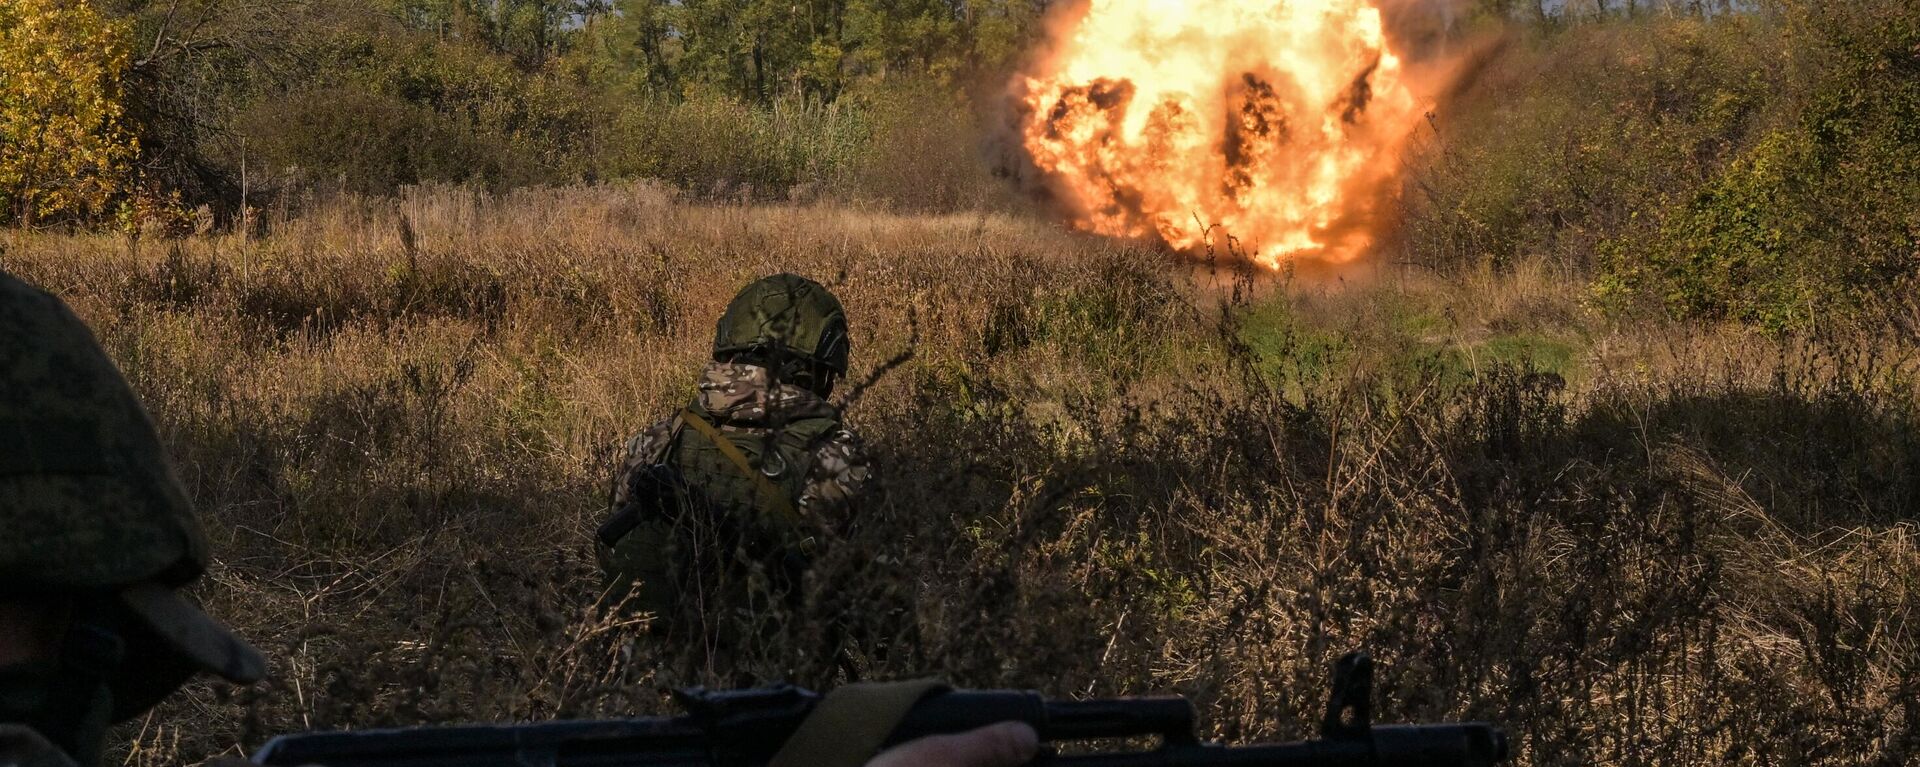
x,y
1275,122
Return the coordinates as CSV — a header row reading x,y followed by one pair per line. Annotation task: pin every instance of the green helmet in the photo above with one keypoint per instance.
x,y
90,507
788,313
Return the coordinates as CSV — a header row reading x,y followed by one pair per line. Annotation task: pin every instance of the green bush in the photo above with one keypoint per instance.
x,y
906,145
709,143
1762,167
1565,139
388,113
1731,252
371,142
1816,216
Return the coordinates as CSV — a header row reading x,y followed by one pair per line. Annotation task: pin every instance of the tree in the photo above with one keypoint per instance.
x,y
63,149
529,31
759,50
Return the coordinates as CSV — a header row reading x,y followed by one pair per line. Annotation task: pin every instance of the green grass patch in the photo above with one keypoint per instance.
x,y
1530,351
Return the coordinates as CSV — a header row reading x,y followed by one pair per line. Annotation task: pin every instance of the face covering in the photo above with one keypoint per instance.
x,y
66,700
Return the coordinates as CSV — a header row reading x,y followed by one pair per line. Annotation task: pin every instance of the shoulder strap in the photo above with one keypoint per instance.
x,y
673,436
849,726
772,495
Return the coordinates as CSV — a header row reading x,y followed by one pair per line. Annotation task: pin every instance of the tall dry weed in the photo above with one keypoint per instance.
x,y
1101,473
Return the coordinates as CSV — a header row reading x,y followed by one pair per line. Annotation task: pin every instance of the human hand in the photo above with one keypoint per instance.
x,y
1007,744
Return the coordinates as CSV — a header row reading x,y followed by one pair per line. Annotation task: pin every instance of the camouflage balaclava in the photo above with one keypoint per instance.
x,y
785,315
96,528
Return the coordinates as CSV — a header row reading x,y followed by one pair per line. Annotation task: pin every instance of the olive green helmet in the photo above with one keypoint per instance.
x,y
89,505
786,313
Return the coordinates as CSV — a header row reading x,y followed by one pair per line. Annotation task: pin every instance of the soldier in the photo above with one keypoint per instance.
x,y
727,498
96,539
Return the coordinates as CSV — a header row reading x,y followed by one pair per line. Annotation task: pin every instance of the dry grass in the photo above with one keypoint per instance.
x,y
1104,473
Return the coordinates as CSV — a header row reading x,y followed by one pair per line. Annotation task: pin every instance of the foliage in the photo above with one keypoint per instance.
x,y
1566,139
1815,216
371,97
63,149
527,32
1100,473
1757,167
711,143
926,149
763,49
1754,166
392,112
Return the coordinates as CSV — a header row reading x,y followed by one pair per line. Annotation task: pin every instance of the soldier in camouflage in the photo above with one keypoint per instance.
x,y
96,539
742,395
747,479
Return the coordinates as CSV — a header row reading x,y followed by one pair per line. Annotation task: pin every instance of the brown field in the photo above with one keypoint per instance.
x,y
1102,472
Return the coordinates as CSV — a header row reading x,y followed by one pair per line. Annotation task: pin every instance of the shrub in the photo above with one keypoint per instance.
x,y
391,114
924,150
372,142
63,148
1818,214
709,143
1565,139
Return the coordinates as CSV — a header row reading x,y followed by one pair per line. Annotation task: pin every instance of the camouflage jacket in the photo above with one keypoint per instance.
x,y
740,399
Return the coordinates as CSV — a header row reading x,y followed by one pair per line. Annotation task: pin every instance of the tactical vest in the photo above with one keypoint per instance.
x,y
781,458
724,527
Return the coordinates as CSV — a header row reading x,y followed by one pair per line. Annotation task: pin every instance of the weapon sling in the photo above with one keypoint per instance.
x,y
773,496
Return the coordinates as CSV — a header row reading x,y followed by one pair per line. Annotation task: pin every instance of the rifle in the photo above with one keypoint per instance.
x,y
653,491
746,727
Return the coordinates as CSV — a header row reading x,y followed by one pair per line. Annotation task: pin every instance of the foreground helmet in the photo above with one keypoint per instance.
x,y
90,512
789,314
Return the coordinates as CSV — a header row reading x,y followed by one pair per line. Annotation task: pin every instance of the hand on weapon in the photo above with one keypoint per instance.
x,y
1007,744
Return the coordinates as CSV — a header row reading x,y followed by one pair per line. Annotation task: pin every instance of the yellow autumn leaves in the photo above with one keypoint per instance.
x,y
64,151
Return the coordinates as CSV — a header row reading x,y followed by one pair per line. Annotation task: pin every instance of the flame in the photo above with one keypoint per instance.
x,y
1277,122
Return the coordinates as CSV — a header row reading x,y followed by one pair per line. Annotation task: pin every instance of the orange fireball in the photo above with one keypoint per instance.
x,y
1275,122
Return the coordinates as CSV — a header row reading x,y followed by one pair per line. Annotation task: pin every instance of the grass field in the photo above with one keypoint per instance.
x,y
1102,471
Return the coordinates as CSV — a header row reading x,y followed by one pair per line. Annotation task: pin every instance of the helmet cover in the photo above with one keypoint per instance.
x,y
788,313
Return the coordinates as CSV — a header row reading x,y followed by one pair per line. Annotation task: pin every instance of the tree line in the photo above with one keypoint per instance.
x,y
125,108
1757,162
